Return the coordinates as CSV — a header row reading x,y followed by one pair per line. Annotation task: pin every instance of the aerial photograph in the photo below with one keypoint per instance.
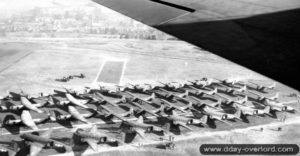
x,y
142,78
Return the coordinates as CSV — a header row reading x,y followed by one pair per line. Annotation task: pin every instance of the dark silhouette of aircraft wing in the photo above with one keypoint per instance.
x,y
263,36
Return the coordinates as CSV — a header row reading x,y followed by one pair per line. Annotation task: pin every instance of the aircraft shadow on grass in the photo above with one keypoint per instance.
x,y
14,129
206,98
65,123
78,146
9,104
245,119
254,89
15,96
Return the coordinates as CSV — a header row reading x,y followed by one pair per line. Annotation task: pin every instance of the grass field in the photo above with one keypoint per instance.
x,y
33,65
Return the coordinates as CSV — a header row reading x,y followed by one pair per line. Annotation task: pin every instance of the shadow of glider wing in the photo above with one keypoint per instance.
x,y
261,35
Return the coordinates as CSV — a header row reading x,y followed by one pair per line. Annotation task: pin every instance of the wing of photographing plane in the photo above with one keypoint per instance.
x,y
261,35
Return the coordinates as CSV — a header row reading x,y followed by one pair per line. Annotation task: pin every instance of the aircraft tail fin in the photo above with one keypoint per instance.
x,y
213,91
238,114
53,115
272,86
69,148
160,109
140,119
151,97
217,104
1,123
150,86
189,105
190,82
123,99
129,112
245,99
209,82
242,89
275,97
267,110
198,102
204,119
40,105
232,91
185,94
51,100
174,113
119,88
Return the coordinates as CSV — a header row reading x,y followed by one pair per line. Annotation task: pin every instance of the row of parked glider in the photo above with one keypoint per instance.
x,y
180,104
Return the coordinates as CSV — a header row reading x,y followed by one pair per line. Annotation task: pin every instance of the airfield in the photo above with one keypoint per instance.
x,y
33,64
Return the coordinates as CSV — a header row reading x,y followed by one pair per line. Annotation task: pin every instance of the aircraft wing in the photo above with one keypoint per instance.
x,y
183,125
76,115
173,105
35,148
111,113
27,120
260,35
94,129
117,116
92,143
47,133
150,112
140,132
61,101
290,102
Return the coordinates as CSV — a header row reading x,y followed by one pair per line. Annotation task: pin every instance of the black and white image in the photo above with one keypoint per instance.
x,y
147,77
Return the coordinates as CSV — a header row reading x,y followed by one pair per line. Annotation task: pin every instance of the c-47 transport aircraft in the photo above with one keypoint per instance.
x,y
261,35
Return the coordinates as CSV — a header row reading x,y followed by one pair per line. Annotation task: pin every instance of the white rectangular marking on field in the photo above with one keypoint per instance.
x,y
111,72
